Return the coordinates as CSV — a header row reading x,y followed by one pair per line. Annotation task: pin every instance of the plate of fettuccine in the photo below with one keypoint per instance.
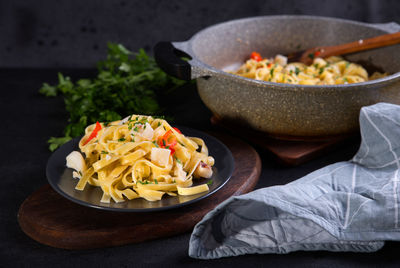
x,y
139,164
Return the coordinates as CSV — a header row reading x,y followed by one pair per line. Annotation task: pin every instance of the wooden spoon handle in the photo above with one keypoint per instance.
x,y
360,45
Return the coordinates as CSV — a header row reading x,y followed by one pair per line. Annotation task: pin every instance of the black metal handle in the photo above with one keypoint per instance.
x,y
169,60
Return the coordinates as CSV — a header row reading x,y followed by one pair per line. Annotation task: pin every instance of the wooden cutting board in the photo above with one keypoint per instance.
x,y
50,219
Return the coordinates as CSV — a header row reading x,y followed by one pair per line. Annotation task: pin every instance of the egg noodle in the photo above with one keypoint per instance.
x,y
140,156
330,71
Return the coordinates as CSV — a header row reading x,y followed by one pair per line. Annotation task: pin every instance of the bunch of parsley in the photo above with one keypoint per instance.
x,y
126,83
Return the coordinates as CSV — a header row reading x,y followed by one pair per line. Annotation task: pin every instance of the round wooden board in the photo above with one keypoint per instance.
x,y
50,219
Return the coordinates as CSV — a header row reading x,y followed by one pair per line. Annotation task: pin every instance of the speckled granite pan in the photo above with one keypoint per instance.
x,y
283,109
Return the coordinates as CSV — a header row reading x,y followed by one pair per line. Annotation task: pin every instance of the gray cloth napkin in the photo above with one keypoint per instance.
x,y
346,206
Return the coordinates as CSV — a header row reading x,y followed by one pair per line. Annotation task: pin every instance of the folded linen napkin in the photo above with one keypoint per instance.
x,y
346,206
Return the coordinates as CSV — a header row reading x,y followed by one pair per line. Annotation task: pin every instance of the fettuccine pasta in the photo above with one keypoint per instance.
x,y
140,156
330,71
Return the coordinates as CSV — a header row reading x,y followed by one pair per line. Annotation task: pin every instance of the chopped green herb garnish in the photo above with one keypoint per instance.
x,y
163,141
311,56
104,152
155,143
345,79
121,139
159,124
210,182
143,182
155,181
136,129
297,70
80,173
316,65
321,70
347,64
271,72
178,161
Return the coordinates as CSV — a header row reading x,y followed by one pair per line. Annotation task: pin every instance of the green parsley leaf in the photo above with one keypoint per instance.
x,y
121,139
126,83
210,182
178,160
48,91
57,142
297,70
104,152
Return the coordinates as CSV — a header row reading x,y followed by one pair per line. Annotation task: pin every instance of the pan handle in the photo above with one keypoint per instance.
x,y
390,27
169,58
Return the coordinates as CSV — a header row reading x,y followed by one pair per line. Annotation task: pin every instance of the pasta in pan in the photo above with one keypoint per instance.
x,y
330,71
140,156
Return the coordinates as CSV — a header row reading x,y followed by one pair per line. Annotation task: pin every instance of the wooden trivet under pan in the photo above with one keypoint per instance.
x,y
51,219
291,151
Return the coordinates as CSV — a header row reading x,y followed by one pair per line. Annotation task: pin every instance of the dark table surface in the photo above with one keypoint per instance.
x,y
29,119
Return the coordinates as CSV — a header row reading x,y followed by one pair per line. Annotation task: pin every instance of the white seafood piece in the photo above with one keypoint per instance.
x,y
203,170
75,161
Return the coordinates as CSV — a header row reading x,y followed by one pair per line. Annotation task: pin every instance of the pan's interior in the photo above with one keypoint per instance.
x,y
228,45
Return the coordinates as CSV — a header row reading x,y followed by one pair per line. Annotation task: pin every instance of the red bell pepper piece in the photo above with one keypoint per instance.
x,y
256,56
168,141
94,133
177,130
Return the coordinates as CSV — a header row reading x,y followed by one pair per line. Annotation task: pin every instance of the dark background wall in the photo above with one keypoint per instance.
x,y
74,33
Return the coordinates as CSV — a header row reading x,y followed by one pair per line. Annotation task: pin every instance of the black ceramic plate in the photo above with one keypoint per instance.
x,y
60,178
